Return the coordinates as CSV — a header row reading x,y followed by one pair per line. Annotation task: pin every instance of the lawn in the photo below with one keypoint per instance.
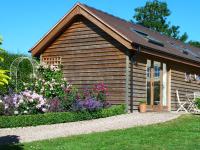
x,y
182,133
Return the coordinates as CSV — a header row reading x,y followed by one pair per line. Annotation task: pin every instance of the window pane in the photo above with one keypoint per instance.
x,y
148,82
164,85
156,82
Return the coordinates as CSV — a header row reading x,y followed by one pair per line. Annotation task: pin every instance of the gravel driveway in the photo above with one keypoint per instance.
x,y
28,134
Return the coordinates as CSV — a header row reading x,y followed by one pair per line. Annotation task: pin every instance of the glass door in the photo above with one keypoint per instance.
x,y
156,82
156,85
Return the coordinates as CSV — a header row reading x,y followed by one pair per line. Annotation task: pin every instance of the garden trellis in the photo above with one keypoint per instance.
x,y
14,68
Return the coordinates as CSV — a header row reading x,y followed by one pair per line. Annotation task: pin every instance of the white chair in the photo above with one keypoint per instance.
x,y
181,104
191,101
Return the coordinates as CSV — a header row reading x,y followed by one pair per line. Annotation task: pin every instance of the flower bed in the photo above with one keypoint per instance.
x,y
58,117
49,91
49,98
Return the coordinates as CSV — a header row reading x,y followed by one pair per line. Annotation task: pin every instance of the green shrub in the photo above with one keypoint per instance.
x,y
25,69
1,108
49,81
61,117
197,101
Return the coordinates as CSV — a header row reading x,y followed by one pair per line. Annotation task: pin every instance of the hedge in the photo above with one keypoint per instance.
x,y
58,117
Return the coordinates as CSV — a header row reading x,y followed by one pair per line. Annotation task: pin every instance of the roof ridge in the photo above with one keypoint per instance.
x,y
171,39
107,13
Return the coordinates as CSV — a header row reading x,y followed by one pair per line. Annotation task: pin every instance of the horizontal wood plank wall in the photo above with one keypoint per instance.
x,y
89,56
137,81
178,83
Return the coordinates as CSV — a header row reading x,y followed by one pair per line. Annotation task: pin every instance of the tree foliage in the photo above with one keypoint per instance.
x,y
3,76
194,43
154,16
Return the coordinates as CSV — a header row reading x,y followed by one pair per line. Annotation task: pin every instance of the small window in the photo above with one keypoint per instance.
x,y
52,60
157,71
148,72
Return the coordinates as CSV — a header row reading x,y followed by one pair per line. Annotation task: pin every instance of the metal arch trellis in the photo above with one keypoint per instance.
x,y
15,65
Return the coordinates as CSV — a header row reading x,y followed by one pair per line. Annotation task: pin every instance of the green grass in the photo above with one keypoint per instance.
x,y
182,133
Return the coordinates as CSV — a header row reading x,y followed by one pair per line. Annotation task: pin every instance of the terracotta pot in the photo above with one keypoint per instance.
x,y
142,107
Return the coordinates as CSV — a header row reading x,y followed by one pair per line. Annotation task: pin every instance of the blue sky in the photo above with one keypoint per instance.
x,y
24,22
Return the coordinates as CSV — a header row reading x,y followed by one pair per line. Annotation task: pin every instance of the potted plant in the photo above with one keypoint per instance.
x,y
143,106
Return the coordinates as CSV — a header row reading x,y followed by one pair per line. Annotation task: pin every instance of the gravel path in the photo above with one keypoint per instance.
x,y
28,134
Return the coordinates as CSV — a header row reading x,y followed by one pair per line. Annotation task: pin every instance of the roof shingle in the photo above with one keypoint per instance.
x,y
129,30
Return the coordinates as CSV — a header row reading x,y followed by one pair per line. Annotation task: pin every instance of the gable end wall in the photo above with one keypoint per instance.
x,y
89,55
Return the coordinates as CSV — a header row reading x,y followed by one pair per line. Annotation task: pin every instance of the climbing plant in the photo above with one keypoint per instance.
x,y
3,73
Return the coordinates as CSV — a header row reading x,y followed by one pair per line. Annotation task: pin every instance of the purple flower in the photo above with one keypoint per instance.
x,y
55,105
23,101
78,105
89,104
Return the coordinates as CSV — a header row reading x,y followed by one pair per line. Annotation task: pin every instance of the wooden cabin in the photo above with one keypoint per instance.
x,y
135,62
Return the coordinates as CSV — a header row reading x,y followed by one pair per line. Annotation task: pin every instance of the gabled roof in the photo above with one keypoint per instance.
x,y
125,32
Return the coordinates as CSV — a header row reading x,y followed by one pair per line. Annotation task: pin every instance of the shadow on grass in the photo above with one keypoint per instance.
x,y
10,142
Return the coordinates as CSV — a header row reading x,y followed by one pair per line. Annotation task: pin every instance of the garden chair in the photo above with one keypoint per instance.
x,y
191,102
181,104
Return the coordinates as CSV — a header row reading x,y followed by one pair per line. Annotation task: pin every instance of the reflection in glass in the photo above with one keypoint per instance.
x,y
157,66
153,75
148,73
164,85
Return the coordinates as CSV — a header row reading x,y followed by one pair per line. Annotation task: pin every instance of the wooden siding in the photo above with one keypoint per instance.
x,y
176,78
137,87
178,83
89,55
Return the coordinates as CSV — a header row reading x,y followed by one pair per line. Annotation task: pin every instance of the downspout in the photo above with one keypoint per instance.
x,y
127,80
132,59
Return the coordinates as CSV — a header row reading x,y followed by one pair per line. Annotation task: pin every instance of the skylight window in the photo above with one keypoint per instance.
x,y
154,41
142,33
185,51
147,37
139,32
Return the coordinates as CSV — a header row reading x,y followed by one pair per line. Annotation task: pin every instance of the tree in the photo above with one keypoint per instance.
x,y
3,77
184,37
194,43
154,16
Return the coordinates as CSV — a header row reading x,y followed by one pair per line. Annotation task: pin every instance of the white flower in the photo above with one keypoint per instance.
x,y
1,101
30,100
21,101
44,109
51,85
25,112
38,106
69,85
6,106
16,112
